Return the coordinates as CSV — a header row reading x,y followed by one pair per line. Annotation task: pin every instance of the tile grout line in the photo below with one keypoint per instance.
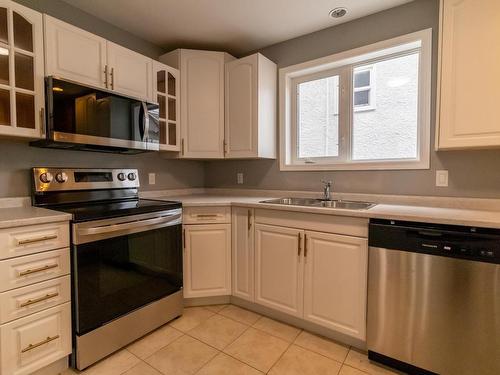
x,y
279,358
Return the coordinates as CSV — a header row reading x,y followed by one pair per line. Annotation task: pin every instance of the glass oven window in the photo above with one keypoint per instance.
x,y
118,275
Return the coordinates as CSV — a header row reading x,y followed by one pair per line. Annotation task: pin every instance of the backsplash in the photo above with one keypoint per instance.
x,y
17,158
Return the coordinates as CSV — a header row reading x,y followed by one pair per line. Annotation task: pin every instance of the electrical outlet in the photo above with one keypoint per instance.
x,y
152,178
239,178
442,178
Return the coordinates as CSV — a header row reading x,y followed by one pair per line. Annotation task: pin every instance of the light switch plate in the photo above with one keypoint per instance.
x,y
442,178
239,178
152,178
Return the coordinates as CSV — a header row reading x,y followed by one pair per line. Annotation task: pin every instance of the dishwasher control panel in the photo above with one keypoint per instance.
x,y
479,244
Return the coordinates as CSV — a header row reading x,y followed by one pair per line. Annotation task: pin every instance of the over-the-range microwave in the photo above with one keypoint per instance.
x,y
86,118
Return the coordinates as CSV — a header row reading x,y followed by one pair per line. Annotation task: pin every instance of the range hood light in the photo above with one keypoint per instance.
x,y
338,12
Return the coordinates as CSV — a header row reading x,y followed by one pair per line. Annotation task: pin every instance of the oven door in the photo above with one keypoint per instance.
x,y
122,264
84,115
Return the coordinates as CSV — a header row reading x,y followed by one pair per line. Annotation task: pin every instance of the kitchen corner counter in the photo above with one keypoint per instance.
x,y
427,214
26,215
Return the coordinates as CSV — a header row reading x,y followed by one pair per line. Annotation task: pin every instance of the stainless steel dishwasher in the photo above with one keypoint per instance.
x,y
434,298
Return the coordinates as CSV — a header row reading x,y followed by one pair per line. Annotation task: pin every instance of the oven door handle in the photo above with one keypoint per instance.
x,y
136,224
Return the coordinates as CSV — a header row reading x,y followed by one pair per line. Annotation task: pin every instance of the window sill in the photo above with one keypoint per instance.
x,y
357,166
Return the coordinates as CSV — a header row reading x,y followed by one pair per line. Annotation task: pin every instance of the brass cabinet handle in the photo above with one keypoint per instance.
x,y
42,121
33,346
106,75
39,299
112,74
300,244
37,239
36,270
305,245
249,218
206,216
182,146
184,239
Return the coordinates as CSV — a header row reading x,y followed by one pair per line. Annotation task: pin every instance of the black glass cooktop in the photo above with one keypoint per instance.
x,y
104,210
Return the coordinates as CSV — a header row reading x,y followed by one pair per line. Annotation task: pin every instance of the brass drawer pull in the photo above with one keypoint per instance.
x,y
35,270
33,346
37,239
39,299
249,218
112,74
206,216
299,243
106,76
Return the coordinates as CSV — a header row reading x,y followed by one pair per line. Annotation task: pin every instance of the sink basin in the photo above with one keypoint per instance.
x,y
310,202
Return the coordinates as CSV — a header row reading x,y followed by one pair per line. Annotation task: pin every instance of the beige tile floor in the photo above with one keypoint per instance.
x,y
228,340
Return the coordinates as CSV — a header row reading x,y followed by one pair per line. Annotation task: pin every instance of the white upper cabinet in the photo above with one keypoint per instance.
x,y
21,71
83,57
202,101
335,281
129,72
74,54
250,105
469,74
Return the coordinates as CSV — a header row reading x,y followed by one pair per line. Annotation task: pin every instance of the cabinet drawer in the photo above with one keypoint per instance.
x,y
31,269
35,341
27,300
203,215
32,239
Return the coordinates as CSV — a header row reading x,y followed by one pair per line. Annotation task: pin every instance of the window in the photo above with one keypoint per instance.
x,y
367,108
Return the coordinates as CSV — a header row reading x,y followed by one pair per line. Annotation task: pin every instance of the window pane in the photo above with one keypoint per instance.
x,y
390,131
23,33
361,79
160,81
4,66
3,26
161,102
362,97
25,110
172,116
4,107
318,118
172,134
24,71
171,84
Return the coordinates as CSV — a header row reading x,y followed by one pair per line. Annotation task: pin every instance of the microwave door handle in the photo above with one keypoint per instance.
x,y
136,224
146,121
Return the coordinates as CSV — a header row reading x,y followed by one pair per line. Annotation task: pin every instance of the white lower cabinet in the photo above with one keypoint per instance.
x,y
243,252
335,282
33,342
207,260
279,268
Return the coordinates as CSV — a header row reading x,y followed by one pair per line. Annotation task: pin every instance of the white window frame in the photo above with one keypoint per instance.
x,y
344,62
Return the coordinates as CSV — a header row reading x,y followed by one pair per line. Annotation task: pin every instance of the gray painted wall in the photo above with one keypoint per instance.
x,y
472,173
16,158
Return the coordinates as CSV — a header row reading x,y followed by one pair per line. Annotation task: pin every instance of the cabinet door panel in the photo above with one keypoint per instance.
x,y
243,253
335,282
73,53
469,74
202,104
241,107
279,268
130,72
207,260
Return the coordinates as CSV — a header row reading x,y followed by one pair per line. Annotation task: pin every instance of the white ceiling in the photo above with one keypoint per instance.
x,y
237,26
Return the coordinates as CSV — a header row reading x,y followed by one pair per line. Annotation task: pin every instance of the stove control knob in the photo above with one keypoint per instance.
x,y
121,176
46,177
132,176
61,177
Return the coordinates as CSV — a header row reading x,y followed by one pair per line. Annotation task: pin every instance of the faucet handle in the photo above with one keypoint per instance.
x,y
327,183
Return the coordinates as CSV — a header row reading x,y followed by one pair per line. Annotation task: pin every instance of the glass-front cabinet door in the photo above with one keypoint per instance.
x,y
21,71
166,92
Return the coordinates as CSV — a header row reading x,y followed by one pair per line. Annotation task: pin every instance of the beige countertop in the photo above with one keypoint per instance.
x,y
27,215
439,215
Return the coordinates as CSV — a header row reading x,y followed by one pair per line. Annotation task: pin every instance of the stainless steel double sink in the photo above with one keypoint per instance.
x,y
310,202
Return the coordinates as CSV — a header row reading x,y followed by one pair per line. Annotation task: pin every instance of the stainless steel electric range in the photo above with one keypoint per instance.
x,y
126,256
